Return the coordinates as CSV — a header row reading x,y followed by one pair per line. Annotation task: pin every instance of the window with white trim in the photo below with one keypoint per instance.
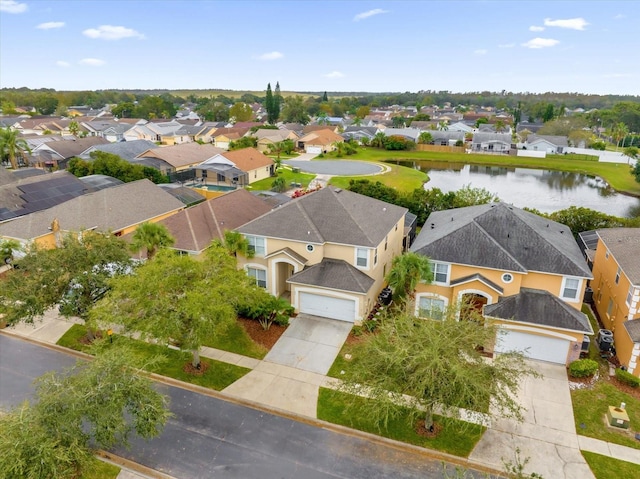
x,y
257,245
618,275
610,307
440,272
630,295
430,307
570,288
362,257
375,256
259,275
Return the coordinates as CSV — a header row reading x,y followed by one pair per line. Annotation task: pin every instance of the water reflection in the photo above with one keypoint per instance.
x,y
544,190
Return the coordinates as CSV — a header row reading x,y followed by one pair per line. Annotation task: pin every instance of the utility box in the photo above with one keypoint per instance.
x,y
617,417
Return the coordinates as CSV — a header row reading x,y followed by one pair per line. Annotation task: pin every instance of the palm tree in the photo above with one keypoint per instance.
x,y
425,138
442,125
235,243
618,132
378,140
151,236
631,152
407,270
500,125
12,146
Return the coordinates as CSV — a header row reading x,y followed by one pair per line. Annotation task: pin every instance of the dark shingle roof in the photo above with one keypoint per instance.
x,y
633,328
126,150
501,236
624,245
334,274
479,277
535,306
329,215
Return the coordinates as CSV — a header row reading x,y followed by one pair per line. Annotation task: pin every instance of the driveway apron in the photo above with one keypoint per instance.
x,y
290,375
547,435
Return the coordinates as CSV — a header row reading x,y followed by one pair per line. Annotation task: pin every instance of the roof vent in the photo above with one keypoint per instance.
x,y
433,225
561,231
384,208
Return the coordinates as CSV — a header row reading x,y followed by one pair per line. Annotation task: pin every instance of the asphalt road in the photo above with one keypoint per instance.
x,y
212,438
336,167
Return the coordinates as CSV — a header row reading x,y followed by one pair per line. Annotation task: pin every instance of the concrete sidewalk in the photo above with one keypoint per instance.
x,y
547,436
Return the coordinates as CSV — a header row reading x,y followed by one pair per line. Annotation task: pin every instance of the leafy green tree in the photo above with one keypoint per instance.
x,y
325,97
95,405
481,121
213,110
241,112
363,111
244,142
44,277
407,270
123,110
421,117
155,107
8,249
468,196
378,140
279,185
112,165
397,142
425,138
631,152
618,132
151,237
46,104
74,128
294,110
272,104
423,365
12,147
235,243
398,122
500,126
179,298
549,113
277,101
580,219
635,171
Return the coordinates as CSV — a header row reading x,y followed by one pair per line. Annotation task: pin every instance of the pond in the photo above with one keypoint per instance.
x,y
544,190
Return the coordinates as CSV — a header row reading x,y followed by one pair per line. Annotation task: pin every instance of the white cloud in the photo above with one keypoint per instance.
x,y
507,45
571,23
11,6
334,74
110,32
536,28
50,25
62,63
481,51
271,56
370,13
619,16
92,62
541,43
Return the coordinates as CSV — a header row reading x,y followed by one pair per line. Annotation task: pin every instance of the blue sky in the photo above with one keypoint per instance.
x,y
393,46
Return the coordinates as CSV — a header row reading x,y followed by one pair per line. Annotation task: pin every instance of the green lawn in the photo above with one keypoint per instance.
x,y
590,406
616,174
604,467
289,176
218,376
236,340
453,439
103,470
400,177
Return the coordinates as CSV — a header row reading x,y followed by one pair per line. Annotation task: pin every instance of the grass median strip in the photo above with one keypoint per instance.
x,y
218,375
455,438
604,467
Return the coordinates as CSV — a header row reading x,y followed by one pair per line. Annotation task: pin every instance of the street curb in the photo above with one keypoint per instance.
x,y
397,445
135,467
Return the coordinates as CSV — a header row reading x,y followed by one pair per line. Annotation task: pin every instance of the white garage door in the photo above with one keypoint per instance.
x,y
553,350
314,149
328,307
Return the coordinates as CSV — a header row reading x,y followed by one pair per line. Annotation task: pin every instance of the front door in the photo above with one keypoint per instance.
x,y
472,304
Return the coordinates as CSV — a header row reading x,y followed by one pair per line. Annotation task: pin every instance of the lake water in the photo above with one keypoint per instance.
x,y
544,190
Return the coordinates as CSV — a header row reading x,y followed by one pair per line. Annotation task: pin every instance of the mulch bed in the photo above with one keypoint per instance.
x,y
424,432
625,388
189,369
266,338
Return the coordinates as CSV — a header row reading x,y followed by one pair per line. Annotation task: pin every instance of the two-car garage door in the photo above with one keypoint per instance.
x,y
543,348
328,307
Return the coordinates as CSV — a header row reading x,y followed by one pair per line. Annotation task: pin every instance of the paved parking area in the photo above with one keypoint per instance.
x,y
336,167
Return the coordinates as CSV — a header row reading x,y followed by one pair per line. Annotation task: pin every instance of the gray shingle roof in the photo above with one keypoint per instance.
x,y
334,274
633,328
329,215
108,209
535,306
501,236
127,150
624,245
479,277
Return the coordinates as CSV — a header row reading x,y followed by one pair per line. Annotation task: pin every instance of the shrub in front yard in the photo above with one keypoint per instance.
x,y
583,368
627,378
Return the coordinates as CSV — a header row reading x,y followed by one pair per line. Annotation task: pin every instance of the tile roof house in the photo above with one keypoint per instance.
x,y
327,251
319,141
196,227
238,167
119,209
527,272
181,157
616,290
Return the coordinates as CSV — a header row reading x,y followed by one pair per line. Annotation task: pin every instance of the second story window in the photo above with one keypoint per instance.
x,y
570,288
618,275
630,295
362,257
440,272
257,245
375,256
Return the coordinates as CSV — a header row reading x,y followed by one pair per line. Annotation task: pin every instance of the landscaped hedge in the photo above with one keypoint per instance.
x,y
627,378
583,368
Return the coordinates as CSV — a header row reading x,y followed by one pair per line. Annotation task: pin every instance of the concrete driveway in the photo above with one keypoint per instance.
x,y
547,436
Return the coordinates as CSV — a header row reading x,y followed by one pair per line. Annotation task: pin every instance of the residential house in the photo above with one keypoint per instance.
x,y
170,159
127,150
196,227
328,251
616,290
550,144
446,137
119,209
238,167
360,133
184,134
408,133
319,141
56,154
526,272
460,126
491,142
269,137
152,131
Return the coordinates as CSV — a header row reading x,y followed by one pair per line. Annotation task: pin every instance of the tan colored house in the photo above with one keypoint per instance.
x,y
119,209
238,167
320,141
223,136
327,251
181,157
616,290
268,137
527,274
